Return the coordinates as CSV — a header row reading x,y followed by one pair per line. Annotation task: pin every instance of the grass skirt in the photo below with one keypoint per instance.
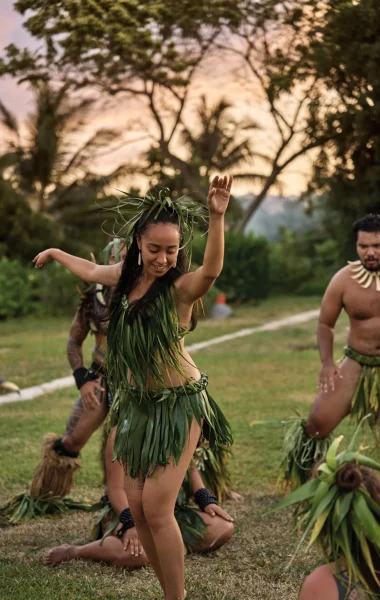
x,y
366,397
153,426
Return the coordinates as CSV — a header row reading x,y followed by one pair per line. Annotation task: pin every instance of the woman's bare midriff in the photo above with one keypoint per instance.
x,y
171,377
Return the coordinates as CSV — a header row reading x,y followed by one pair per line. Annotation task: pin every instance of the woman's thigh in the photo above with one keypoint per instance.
x,y
161,489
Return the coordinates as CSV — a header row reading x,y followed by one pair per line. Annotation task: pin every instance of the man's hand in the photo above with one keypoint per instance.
x,y
327,376
88,394
131,540
215,510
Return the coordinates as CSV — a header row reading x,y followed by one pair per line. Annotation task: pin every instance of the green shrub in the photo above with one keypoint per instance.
x,y
57,290
245,274
17,289
24,290
302,264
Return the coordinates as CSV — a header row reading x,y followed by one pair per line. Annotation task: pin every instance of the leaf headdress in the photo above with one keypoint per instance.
x,y
344,522
131,209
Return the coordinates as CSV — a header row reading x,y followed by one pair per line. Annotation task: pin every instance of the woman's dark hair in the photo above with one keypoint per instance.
x,y
370,224
131,269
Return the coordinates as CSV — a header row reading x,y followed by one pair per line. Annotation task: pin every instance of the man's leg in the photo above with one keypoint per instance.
x,y
83,423
55,473
331,407
306,443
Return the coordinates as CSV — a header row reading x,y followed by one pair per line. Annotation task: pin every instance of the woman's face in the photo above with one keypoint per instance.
x,y
159,246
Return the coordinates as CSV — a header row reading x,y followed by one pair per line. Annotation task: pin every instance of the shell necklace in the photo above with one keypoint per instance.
x,y
363,276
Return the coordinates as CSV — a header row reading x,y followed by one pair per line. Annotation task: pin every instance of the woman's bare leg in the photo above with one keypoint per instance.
x,y
110,551
159,496
219,532
134,490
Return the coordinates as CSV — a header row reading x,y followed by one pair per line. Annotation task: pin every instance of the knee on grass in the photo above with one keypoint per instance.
x,y
317,427
220,534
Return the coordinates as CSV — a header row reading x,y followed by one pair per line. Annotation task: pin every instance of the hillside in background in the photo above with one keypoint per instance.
x,y
278,212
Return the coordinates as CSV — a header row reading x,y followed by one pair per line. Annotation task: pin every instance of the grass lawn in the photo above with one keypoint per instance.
x,y
33,350
260,376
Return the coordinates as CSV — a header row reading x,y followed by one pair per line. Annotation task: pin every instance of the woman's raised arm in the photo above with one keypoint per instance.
x,y
84,269
193,286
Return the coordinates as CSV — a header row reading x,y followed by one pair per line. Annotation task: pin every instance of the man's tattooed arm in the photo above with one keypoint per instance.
x,y
78,333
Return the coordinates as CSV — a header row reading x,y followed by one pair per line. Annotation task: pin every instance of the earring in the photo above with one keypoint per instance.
x,y
139,258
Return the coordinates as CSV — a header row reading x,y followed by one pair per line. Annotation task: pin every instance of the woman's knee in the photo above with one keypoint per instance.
x,y
221,534
157,516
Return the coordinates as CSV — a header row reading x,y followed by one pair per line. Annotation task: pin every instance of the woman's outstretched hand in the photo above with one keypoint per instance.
x,y
42,258
219,194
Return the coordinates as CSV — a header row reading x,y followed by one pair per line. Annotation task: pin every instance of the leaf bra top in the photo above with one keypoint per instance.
x,y
145,344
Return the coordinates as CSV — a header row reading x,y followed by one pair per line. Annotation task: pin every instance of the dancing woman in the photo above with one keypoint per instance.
x,y
161,403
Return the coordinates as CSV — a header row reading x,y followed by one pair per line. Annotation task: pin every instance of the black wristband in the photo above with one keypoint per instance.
x,y
127,521
204,497
81,376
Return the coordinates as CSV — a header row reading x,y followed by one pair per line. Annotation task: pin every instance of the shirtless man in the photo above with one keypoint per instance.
x,y
353,387
55,473
356,289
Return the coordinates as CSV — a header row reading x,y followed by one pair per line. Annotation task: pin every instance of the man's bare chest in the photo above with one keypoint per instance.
x,y
361,304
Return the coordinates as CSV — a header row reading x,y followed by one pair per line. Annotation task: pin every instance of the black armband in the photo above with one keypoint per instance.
x,y
203,497
126,520
81,376
60,449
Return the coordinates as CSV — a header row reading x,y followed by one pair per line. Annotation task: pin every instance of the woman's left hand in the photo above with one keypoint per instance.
x,y
215,510
219,194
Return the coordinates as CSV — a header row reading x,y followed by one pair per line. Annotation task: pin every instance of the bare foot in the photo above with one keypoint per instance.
x,y
57,555
230,495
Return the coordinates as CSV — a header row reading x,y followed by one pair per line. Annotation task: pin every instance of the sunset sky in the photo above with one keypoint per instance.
x,y
20,101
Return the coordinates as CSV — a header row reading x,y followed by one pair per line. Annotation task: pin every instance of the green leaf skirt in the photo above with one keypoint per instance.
x,y
153,426
366,397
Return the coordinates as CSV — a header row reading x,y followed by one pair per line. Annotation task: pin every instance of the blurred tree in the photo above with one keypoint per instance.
x,y
50,165
21,229
270,43
154,52
342,53
217,142
150,50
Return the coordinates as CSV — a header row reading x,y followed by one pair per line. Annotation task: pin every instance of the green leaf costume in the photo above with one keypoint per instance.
x,y
153,424
366,397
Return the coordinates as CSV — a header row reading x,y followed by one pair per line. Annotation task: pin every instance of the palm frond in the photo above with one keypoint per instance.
x,y
8,119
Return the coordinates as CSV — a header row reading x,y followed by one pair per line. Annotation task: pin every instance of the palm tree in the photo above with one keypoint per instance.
x,y
51,164
216,143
